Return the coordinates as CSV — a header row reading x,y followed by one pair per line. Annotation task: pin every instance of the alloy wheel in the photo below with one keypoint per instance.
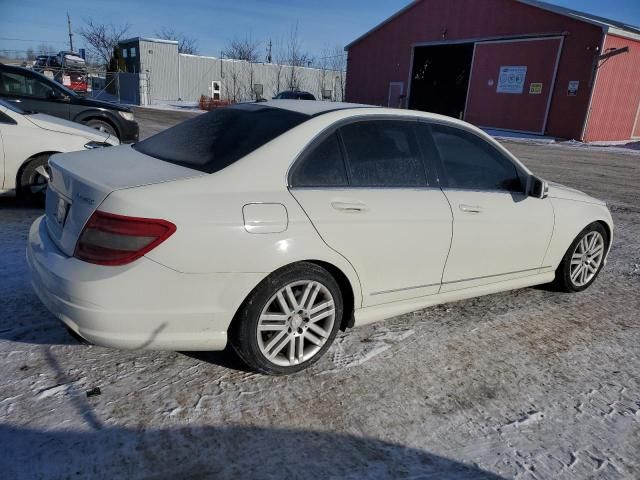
x,y
587,259
296,322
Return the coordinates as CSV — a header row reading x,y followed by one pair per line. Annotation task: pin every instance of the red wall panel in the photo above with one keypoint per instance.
x,y
385,55
521,112
616,95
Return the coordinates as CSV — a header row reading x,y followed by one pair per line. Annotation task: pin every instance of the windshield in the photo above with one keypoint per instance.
x,y
214,140
11,107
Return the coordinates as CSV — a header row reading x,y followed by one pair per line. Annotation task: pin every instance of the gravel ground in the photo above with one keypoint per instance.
x,y
527,384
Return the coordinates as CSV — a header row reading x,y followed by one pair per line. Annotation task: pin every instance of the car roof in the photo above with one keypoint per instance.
x,y
311,107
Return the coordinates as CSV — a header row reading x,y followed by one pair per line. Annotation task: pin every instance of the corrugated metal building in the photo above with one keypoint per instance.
x,y
519,65
170,76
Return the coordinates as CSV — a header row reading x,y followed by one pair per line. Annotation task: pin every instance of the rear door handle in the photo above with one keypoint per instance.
x,y
350,207
470,208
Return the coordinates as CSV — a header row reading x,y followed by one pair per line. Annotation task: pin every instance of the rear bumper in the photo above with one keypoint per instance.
x,y
143,305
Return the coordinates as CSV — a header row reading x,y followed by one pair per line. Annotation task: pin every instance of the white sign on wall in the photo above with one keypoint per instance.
x,y
511,79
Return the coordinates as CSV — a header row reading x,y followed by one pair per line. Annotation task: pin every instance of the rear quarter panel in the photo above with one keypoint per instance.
x,y
208,212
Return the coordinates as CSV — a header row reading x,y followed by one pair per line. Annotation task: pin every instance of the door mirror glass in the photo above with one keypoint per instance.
x,y
538,188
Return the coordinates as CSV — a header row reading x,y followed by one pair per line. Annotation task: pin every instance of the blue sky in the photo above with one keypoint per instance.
x,y
322,23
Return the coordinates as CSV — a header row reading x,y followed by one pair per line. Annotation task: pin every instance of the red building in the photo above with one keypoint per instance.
x,y
519,65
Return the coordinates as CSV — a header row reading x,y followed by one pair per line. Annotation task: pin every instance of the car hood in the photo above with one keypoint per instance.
x,y
60,125
557,190
90,102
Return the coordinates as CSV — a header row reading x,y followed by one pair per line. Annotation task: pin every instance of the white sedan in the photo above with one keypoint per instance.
x,y
28,140
273,225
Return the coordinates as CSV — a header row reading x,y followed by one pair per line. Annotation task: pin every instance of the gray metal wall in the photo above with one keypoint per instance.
x,y
168,76
159,61
237,77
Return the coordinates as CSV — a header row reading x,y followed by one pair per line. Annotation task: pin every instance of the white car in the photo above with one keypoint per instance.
x,y
273,225
28,140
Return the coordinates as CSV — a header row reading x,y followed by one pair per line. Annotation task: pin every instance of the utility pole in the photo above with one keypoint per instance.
x,y
269,52
70,34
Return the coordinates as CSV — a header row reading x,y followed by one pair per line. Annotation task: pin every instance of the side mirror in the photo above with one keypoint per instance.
x,y
538,188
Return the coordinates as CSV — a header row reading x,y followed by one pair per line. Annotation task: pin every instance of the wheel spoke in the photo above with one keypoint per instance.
x,y
597,250
322,306
583,275
292,349
278,348
292,298
272,327
312,338
272,343
283,303
305,295
314,295
576,272
315,328
320,316
300,343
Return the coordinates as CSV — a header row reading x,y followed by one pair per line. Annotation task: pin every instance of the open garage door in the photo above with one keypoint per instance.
x,y
512,82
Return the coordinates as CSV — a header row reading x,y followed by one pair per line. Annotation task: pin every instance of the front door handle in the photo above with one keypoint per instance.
x,y
470,208
350,207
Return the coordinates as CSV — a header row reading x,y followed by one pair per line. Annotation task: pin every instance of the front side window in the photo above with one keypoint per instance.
x,y
471,163
383,153
214,140
23,86
323,166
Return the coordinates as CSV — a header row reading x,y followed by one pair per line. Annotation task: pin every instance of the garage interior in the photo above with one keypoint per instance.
x,y
440,79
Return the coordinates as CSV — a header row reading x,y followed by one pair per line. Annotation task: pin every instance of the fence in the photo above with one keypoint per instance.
x,y
227,81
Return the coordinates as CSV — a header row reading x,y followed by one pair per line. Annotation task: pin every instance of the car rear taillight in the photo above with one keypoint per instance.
x,y
109,239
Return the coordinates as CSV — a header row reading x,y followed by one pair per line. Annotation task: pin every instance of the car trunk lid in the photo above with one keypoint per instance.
x,y
80,182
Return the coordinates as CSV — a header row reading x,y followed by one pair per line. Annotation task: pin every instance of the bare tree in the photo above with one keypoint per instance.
x,y
186,44
323,76
44,49
296,58
242,49
102,38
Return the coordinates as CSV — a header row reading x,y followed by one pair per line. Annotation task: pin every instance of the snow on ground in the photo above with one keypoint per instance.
x,y
624,147
529,384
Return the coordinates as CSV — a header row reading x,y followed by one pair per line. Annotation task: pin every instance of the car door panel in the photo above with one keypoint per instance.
x,y
387,222
495,234
499,232
396,239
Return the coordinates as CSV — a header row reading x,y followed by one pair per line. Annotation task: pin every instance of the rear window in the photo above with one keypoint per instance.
x,y
212,141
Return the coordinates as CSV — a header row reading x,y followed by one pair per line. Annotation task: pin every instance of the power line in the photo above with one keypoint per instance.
x,y
30,40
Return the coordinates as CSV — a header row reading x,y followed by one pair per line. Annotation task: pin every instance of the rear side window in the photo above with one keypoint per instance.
x,y
383,153
212,141
323,166
471,163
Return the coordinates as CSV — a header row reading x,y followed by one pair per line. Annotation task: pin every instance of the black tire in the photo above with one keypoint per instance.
x,y
31,185
102,125
563,281
244,330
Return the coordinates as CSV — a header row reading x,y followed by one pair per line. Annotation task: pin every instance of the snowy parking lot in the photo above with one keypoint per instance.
x,y
530,384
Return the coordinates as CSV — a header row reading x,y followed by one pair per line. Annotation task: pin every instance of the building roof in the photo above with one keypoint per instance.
x,y
147,39
612,27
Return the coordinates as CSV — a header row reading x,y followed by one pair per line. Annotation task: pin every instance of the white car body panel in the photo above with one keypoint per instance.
x,y
35,134
496,234
238,225
392,267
